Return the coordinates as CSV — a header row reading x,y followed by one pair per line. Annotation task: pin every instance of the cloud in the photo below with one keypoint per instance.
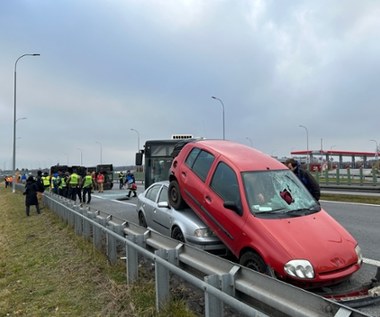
x,y
109,66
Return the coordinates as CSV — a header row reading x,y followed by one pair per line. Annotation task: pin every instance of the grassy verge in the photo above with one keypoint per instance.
x,y
352,198
46,270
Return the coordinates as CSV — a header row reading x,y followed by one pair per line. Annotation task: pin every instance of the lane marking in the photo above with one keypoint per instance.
x,y
372,262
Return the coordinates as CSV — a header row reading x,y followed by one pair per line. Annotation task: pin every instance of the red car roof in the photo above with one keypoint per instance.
x,y
243,157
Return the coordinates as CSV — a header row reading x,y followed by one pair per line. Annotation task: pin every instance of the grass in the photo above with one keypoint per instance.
x,y
46,270
352,198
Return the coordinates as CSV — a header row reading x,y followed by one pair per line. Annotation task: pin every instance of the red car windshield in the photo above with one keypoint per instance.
x,y
277,192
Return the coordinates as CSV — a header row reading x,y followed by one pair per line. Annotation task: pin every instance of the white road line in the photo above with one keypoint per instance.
x,y
122,202
372,262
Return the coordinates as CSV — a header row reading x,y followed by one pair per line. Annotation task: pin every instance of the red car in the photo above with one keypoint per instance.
x,y
262,213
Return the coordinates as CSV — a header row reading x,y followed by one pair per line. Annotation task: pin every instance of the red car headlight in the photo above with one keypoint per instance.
x,y
300,269
359,254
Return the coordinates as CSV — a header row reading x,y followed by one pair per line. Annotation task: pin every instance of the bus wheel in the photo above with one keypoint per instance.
x,y
175,198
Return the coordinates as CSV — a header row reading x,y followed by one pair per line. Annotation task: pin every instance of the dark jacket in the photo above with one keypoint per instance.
x,y
308,180
30,192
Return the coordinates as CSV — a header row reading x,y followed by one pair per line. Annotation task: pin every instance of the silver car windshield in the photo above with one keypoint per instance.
x,y
277,192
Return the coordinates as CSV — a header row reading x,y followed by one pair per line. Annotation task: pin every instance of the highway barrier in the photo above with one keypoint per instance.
x,y
223,283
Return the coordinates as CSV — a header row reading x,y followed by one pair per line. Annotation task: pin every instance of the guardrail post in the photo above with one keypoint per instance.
x,y
79,222
349,177
132,261
225,282
97,239
112,241
213,305
87,226
162,279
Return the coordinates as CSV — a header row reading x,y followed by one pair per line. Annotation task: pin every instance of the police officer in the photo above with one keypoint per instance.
x,y
64,185
46,181
74,182
88,184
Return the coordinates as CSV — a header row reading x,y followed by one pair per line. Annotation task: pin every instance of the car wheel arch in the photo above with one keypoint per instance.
x,y
142,218
248,252
175,230
174,195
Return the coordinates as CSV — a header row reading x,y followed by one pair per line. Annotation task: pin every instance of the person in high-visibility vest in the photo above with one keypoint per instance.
x,y
74,182
54,183
46,181
62,188
88,184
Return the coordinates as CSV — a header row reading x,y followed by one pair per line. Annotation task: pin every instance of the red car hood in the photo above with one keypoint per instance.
x,y
316,237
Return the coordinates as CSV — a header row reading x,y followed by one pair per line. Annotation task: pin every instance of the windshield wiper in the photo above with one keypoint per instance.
x,y
303,211
273,211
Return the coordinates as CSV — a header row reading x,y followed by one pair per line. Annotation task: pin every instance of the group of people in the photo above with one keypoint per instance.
x,y
75,186
72,186
68,185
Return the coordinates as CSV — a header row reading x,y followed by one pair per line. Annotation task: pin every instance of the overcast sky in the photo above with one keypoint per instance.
x,y
107,67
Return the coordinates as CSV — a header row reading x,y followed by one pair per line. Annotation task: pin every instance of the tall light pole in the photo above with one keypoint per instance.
x,y
101,152
138,139
377,150
81,156
307,144
14,121
224,125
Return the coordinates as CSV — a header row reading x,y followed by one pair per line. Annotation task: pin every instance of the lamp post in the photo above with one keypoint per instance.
x,y
307,144
377,150
138,139
101,152
14,121
81,155
224,126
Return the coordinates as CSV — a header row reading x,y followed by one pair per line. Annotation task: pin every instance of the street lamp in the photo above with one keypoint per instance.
x,y
221,102
138,139
377,149
307,144
101,152
81,155
14,121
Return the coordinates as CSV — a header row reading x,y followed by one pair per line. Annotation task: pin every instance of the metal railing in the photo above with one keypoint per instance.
x,y
222,282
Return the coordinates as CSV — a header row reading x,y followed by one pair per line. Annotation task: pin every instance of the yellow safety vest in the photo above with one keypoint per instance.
x,y
74,179
46,180
87,182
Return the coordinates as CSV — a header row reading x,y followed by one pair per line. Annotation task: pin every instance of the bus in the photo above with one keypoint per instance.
x,y
158,158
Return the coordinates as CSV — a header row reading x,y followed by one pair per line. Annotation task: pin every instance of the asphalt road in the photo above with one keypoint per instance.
x,y
361,220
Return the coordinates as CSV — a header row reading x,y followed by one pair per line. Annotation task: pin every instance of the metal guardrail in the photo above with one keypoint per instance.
x,y
222,282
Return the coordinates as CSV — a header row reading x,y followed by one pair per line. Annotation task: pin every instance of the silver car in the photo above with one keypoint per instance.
x,y
155,213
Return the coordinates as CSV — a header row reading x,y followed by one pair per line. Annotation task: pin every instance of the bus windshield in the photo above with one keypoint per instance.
x,y
158,159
